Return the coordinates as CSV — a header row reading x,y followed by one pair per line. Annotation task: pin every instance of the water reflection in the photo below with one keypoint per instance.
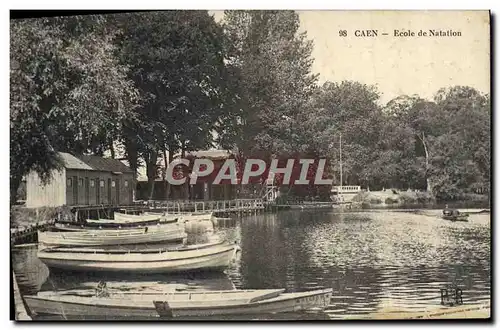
x,y
374,261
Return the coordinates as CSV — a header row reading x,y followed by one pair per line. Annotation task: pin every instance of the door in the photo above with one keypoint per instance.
x,y
117,191
109,192
87,192
75,190
98,191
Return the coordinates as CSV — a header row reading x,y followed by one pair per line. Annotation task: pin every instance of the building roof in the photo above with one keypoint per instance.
x,y
105,164
211,154
93,163
72,162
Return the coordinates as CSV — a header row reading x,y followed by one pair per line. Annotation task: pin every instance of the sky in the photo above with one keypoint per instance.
x,y
400,65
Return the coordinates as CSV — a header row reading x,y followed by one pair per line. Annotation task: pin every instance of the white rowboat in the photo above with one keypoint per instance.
x,y
197,257
152,234
184,304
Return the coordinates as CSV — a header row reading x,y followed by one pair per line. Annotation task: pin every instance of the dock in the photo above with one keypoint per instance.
x,y
219,207
19,309
22,234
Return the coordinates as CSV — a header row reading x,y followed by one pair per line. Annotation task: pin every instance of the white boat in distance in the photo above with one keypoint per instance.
x,y
151,234
179,304
197,216
189,258
122,218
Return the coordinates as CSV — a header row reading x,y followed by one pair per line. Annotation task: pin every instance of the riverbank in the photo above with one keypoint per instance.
x,y
19,308
391,198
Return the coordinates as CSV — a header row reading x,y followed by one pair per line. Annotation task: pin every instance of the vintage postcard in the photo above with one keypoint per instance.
x,y
250,165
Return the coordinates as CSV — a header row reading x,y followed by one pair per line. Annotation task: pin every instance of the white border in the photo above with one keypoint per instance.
x,y
212,5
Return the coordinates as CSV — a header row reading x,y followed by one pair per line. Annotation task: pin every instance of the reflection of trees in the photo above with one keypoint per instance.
x,y
192,281
30,272
263,258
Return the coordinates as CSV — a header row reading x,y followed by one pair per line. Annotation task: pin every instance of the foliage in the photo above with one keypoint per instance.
x,y
67,91
274,64
176,60
177,81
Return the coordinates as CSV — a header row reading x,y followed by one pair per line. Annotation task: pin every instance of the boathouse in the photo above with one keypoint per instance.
x,y
84,180
204,189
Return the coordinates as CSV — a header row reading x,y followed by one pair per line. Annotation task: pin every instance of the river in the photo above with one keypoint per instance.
x,y
375,261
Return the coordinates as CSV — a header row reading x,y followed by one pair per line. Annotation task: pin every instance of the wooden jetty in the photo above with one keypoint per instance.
x,y
29,233
19,309
218,207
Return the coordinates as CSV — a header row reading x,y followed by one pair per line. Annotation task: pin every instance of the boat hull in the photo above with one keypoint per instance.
x,y
272,301
287,302
211,258
154,234
461,217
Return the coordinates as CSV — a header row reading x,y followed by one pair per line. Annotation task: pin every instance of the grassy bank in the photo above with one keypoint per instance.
x,y
393,198
397,198
22,216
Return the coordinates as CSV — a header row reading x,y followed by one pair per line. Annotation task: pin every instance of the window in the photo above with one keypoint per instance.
x,y
69,182
126,183
101,183
80,182
92,182
113,183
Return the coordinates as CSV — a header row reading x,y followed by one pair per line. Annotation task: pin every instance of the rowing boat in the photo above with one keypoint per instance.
x,y
122,218
178,304
196,257
197,216
152,234
458,217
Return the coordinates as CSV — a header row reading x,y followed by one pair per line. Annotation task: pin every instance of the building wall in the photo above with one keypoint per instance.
x,y
51,194
94,188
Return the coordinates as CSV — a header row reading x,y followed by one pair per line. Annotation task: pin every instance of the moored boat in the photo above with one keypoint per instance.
x,y
195,257
456,217
152,234
179,304
133,219
196,216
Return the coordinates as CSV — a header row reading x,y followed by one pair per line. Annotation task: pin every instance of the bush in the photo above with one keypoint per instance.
x,y
25,216
390,200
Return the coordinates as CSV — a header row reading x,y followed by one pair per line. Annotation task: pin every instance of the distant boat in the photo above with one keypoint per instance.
x,y
122,218
152,234
458,217
195,257
179,304
184,217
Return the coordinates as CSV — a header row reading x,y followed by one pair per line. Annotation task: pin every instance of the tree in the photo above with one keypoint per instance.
x,y
348,108
273,61
464,146
177,61
68,92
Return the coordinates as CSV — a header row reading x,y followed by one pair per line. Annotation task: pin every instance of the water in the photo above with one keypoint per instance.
x,y
375,261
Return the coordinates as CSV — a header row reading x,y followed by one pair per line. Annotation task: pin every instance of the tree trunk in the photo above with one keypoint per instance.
x,y
427,163
151,172
186,184
15,182
112,149
165,182
132,156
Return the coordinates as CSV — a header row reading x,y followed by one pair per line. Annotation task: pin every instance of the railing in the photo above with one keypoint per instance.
x,y
207,206
346,189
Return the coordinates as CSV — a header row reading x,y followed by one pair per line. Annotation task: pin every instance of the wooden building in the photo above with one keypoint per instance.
x,y
204,189
84,180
